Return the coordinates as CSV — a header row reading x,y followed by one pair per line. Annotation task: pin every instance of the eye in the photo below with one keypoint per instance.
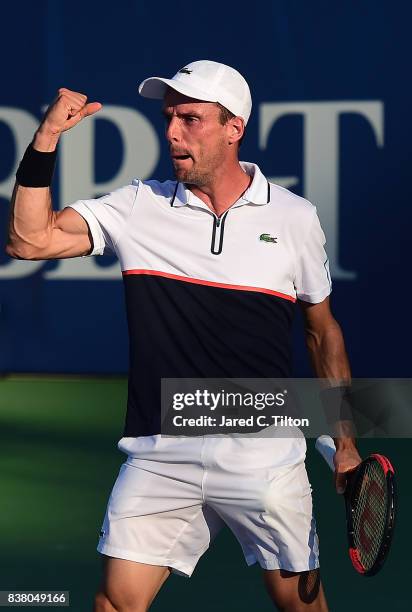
x,y
190,119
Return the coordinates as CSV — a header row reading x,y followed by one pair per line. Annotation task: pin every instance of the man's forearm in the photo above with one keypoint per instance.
x,y
330,362
31,213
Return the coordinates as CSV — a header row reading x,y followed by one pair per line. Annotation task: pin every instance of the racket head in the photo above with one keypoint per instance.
x,y
370,513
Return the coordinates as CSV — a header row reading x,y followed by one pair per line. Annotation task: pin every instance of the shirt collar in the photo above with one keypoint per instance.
x,y
258,191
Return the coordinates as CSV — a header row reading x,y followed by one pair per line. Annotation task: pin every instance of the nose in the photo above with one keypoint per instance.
x,y
173,130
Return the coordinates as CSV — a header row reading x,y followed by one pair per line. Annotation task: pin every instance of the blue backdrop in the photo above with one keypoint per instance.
x,y
331,120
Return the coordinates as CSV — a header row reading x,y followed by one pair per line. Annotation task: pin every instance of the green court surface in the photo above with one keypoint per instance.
x,y
58,461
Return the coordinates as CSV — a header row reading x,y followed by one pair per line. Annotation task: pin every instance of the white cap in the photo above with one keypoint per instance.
x,y
208,81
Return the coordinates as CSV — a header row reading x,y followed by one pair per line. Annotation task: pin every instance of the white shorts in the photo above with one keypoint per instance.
x,y
173,495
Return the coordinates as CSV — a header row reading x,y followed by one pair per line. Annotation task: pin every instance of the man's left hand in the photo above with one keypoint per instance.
x,y
345,460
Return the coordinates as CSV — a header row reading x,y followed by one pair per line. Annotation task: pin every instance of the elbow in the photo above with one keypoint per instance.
x,y
326,339
12,251
32,246
313,343
328,342
21,251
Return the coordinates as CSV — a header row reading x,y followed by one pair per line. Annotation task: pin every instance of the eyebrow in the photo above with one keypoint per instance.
x,y
167,114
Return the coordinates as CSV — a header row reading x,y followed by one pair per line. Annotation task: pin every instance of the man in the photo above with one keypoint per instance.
x,y
206,297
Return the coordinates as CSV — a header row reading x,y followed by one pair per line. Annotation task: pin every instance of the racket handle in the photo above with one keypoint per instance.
x,y
326,447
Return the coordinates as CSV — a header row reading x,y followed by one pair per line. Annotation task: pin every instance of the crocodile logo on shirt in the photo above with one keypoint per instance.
x,y
268,238
186,71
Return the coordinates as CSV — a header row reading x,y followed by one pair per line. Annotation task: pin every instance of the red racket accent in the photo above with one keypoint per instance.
x,y
385,463
354,557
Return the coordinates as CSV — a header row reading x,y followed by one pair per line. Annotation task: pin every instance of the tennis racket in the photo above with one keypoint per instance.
x,y
370,500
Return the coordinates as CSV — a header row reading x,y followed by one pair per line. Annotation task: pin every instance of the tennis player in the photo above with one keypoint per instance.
x,y
213,265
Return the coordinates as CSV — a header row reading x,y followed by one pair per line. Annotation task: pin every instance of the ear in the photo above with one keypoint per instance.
x,y
235,129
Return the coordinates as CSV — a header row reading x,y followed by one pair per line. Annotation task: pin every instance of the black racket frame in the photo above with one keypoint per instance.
x,y
350,502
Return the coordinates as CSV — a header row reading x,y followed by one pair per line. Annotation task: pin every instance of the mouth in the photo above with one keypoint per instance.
x,y
180,157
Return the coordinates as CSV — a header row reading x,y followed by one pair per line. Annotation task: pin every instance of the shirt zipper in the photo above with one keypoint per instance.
x,y
217,233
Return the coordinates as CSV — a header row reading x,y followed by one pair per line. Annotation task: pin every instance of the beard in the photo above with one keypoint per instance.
x,y
193,176
203,171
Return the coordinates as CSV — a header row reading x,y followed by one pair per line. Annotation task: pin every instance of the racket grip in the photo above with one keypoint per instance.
x,y
326,447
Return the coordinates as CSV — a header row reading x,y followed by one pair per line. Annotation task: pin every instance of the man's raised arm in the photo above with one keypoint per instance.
x,y
36,231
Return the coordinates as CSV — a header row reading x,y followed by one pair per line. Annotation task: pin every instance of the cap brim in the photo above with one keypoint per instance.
x,y
155,87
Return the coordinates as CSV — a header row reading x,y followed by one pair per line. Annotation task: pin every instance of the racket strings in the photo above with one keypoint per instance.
x,y
369,514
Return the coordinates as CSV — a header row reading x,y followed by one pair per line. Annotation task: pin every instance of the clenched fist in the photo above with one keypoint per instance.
x,y
66,111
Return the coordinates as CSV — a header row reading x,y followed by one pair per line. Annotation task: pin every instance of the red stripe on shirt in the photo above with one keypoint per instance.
x,y
198,281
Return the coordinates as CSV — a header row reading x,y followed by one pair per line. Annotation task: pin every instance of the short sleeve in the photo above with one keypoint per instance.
x,y
107,216
312,280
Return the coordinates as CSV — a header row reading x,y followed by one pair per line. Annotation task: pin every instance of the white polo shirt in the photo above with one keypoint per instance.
x,y
207,297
